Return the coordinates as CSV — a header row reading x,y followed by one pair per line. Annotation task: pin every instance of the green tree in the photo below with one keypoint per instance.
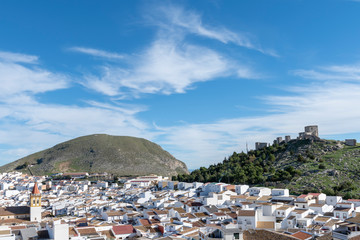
x,y
271,158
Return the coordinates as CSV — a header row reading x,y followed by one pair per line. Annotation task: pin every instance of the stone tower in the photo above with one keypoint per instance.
x,y
35,204
312,130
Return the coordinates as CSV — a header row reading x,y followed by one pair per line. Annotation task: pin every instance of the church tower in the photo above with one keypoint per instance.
x,y
35,204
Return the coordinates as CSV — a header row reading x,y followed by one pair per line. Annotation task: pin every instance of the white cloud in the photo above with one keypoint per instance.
x,y
97,53
247,73
174,19
329,104
17,79
74,120
337,72
35,126
29,126
170,64
18,57
166,67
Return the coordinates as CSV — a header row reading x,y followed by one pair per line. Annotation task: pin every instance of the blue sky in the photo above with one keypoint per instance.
x,y
200,78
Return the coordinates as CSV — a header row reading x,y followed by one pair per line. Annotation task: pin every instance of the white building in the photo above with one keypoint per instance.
x,y
6,233
280,192
214,187
260,191
343,211
241,189
333,200
58,231
247,219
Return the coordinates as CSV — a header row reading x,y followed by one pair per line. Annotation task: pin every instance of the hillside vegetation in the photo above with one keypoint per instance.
x,y
301,166
101,153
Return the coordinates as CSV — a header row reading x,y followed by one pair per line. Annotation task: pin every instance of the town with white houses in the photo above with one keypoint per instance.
x,y
153,207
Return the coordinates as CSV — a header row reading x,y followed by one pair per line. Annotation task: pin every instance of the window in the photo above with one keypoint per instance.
x,y
344,215
236,235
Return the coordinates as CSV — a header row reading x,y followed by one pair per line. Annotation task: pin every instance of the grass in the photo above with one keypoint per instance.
x,y
344,160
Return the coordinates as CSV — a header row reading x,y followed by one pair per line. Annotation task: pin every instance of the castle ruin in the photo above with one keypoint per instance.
x,y
260,145
311,132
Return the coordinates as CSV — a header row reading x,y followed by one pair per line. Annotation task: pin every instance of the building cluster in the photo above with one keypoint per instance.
x,y
153,207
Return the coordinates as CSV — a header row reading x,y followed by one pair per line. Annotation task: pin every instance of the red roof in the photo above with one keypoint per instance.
x,y
229,187
35,189
144,222
123,229
302,235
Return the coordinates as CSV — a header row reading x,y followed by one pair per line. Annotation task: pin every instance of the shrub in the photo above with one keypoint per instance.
x,y
300,158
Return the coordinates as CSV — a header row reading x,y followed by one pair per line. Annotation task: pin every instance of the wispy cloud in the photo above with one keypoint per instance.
x,y
175,19
170,64
28,125
16,79
31,127
97,53
329,104
164,68
336,72
17,58
35,126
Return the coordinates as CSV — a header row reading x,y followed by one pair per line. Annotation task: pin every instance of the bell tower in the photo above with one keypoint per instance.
x,y
35,204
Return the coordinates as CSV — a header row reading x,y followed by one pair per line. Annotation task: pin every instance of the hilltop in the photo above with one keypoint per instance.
x,y
300,165
99,153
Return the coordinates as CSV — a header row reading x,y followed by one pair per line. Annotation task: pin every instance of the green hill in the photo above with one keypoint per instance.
x,y
101,153
301,166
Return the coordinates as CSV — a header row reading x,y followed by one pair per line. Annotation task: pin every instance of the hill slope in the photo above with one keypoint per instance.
x,y
300,165
101,153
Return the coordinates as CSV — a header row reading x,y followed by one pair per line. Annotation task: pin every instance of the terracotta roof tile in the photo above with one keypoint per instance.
x,y
123,229
302,235
246,213
35,189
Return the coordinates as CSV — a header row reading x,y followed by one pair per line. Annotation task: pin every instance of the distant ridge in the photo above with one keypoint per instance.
x,y
120,155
